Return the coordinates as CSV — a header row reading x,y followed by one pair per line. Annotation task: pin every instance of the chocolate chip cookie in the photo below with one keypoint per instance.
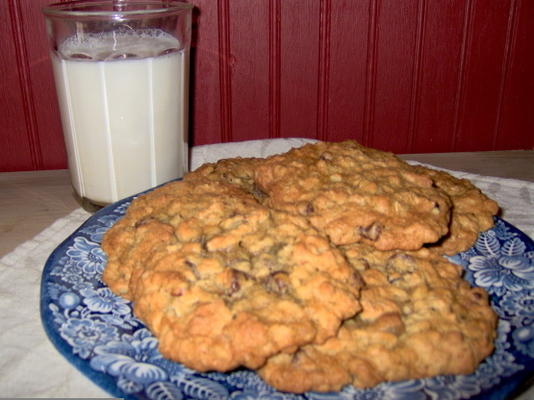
x,y
472,211
419,319
237,171
223,281
356,194
320,267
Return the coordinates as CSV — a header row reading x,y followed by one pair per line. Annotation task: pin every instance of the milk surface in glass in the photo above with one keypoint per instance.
x,y
123,100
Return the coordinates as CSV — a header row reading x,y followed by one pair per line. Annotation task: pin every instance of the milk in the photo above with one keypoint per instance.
x,y
123,101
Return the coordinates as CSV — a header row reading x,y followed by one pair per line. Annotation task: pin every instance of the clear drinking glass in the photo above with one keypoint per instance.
x,y
122,76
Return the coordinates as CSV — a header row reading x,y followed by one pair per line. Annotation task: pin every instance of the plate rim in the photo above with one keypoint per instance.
x,y
101,379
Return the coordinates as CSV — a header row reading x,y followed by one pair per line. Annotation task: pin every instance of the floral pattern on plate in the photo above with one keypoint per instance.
x,y
97,332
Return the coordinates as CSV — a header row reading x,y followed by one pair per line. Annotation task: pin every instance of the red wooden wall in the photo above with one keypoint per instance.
x,y
406,76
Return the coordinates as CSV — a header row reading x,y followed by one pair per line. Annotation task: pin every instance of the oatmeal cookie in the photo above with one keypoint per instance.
x,y
472,212
236,171
356,194
223,281
419,319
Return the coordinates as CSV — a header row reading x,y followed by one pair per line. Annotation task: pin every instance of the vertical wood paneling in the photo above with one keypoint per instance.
x,y
370,73
463,67
441,53
323,78
393,86
205,78
225,64
506,65
22,66
478,108
249,65
299,68
417,70
274,67
46,131
515,127
400,75
348,51
15,151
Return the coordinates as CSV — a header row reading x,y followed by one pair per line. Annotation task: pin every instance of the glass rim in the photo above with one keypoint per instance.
x,y
82,8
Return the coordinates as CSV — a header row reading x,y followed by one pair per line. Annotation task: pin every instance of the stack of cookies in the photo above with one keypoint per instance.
x,y
320,267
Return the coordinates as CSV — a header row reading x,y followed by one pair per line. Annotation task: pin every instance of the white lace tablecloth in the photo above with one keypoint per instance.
x,y
30,366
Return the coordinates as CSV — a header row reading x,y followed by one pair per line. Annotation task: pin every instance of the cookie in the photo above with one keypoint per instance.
x,y
320,267
419,319
472,212
221,280
236,171
356,194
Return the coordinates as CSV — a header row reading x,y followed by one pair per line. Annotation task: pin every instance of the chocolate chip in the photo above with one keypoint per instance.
x,y
204,243
258,193
277,282
357,279
275,249
236,280
193,269
234,286
306,209
295,358
372,231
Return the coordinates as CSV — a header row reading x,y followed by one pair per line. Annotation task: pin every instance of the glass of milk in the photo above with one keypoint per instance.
x,y
121,70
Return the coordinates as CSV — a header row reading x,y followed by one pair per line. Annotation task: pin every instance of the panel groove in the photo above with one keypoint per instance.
x,y
415,100
370,79
225,79
23,68
509,47
325,15
465,50
274,67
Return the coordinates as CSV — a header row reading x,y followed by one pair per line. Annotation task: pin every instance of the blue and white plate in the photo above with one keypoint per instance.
x,y
96,331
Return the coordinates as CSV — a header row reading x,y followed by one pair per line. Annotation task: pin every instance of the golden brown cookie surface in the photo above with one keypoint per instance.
x,y
356,194
251,260
419,318
472,212
235,171
223,281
